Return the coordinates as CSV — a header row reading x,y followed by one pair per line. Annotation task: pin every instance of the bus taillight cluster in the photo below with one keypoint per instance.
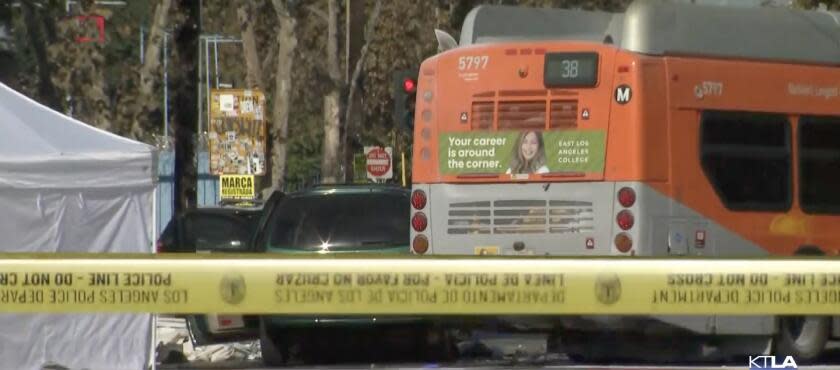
x,y
419,222
625,219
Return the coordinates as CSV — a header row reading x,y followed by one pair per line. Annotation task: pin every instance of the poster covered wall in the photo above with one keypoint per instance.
x,y
237,132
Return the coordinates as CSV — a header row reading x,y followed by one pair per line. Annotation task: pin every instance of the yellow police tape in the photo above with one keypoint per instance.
x,y
450,286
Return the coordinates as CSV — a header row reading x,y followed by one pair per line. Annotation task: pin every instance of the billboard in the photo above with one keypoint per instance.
x,y
237,132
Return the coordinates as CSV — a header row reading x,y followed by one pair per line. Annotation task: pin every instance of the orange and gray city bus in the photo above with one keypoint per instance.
x,y
671,129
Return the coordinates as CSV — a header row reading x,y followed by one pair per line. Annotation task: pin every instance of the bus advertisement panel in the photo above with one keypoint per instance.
x,y
521,152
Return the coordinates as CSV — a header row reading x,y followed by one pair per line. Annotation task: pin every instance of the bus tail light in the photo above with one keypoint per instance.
x,y
625,220
626,197
418,199
419,221
420,245
623,242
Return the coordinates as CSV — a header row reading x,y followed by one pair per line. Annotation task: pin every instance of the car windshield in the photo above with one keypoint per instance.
x,y
340,221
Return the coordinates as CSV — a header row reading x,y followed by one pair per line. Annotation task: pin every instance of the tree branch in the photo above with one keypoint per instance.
x,y
318,12
46,89
245,15
333,61
357,71
268,61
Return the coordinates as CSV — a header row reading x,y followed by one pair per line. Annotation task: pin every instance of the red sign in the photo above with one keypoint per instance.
x,y
99,21
378,162
699,238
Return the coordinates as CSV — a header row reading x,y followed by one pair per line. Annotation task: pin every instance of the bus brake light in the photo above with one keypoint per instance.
x,y
626,197
625,220
419,221
418,199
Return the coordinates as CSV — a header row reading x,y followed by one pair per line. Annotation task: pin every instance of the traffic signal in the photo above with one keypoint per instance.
x,y
405,94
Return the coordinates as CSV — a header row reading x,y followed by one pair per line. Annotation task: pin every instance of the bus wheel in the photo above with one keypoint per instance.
x,y
577,346
803,337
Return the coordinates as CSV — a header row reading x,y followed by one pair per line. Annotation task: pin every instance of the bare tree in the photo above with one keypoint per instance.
x,y
247,18
332,103
149,71
354,81
286,45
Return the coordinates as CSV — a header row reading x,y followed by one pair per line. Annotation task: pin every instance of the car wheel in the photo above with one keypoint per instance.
x,y
439,345
274,349
803,337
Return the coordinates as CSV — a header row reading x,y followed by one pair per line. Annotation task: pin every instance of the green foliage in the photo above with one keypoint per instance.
x,y
811,4
22,74
306,136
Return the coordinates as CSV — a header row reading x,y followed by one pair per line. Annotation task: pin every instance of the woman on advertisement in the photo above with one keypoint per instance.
x,y
528,154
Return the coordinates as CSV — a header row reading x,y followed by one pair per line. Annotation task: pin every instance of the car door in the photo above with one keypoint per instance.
x,y
220,231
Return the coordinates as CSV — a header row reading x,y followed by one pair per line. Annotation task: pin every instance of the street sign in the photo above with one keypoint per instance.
x,y
378,163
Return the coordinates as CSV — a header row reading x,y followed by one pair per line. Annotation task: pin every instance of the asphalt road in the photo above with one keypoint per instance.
x,y
520,351
257,366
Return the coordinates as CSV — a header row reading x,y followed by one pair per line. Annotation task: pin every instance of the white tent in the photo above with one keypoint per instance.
x,y
69,187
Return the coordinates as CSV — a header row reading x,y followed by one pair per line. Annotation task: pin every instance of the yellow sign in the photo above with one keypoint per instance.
x,y
224,284
484,251
237,132
237,186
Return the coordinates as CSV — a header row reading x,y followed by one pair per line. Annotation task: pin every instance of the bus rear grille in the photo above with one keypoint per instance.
x,y
482,115
563,114
522,115
525,115
520,216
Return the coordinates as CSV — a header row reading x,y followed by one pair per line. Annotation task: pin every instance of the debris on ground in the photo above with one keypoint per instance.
x,y
226,352
175,346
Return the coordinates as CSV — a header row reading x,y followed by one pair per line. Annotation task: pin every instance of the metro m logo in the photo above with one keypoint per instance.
x,y
623,94
769,362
